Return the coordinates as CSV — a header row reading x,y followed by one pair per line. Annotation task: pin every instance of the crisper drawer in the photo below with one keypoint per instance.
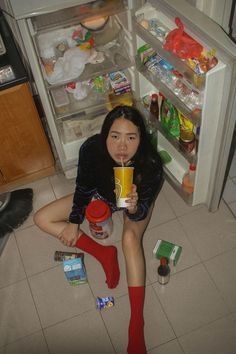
x,y
75,130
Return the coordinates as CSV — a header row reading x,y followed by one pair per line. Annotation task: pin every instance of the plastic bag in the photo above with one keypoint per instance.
x,y
181,44
170,118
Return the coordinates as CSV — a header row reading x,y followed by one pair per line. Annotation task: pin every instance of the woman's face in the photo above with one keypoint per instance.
x,y
123,140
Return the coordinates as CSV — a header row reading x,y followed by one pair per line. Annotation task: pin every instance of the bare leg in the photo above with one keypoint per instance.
x,y
53,217
135,273
133,251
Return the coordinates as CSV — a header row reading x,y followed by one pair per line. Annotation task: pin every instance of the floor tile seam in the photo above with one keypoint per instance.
x,y
44,328
109,336
24,227
218,290
160,224
188,238
51,185
35,305
21,338
29,276
14,283
230,209
179,271
218,254
192,210
163,309
162,345
205,325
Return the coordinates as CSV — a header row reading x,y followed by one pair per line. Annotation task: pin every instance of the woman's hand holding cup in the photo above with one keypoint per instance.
x,y
132,200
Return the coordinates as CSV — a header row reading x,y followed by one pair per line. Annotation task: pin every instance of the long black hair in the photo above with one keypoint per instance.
x,y
145,156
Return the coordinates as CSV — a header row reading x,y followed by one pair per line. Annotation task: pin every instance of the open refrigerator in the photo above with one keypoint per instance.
x,y
77,96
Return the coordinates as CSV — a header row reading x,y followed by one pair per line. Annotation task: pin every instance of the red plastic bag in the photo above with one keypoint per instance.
x,y
181,44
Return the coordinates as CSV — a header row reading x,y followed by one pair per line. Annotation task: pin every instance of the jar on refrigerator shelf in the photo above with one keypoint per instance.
x,y
187,141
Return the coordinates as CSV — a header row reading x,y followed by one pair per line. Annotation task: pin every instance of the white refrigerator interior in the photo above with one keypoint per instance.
x,y
75,81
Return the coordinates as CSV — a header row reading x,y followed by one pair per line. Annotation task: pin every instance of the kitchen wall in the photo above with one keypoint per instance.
x,y
218,10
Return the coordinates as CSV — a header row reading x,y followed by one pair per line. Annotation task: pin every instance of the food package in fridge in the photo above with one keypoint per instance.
x,y
64,53
77,128
181,44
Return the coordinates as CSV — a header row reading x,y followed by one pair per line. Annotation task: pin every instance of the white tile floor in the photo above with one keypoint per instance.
x,y
195,313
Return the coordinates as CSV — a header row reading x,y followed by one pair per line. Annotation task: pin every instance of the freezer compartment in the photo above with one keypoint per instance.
x,y
75,53
90,14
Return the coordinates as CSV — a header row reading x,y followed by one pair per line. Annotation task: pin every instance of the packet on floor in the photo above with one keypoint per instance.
x,y
168,250
75,272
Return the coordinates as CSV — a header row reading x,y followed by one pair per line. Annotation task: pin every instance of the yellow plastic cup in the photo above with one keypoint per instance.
x,y
123,184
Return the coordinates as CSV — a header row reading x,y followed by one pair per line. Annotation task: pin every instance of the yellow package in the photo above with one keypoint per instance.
x,y
126,99
185,123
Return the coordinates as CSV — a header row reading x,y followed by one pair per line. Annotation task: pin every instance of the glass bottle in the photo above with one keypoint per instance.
x,y
154,106
163,271
152,131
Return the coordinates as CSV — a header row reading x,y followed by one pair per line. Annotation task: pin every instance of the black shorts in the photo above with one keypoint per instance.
x,y
112,206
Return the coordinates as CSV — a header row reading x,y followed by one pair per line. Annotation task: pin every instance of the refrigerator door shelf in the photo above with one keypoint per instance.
x,y
197,81
188,198
193,115
172,140
175,169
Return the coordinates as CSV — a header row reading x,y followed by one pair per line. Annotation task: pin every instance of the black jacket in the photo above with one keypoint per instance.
x,y
92,179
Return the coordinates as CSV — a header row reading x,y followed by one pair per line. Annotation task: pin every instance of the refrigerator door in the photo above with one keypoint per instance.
x,y
218,107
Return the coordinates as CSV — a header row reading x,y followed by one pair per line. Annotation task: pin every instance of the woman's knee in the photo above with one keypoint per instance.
x,y
39,218
130,239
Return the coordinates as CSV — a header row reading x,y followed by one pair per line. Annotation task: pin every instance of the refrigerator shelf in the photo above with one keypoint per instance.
x,y
94,102
194,116
116,59
175,143
197,81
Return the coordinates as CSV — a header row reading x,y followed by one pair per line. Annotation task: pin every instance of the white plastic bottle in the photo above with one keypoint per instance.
x,y
189,179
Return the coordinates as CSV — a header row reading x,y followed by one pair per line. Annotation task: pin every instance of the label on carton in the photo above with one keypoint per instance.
x,y
168,250
75,272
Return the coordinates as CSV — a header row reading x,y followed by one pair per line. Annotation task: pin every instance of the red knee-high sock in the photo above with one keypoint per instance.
x,y
136,343
106,255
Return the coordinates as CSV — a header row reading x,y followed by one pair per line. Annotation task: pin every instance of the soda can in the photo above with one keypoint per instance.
x,y
60,256
105,302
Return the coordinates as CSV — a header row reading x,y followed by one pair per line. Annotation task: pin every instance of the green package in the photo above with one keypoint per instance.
x,y
168,250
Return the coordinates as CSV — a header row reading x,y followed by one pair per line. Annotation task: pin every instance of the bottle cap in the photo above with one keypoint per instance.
x,y
163,261
97,211
192,167
154,96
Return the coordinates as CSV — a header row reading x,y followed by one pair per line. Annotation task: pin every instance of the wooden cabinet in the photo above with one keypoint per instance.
x,y
25,154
